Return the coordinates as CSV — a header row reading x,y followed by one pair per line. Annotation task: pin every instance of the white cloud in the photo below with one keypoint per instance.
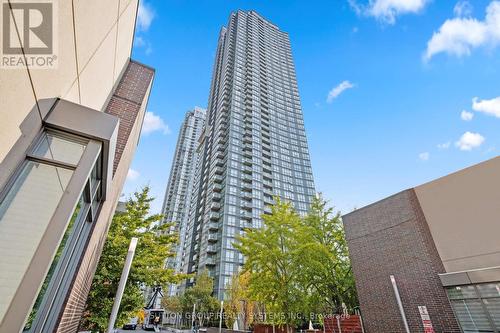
x,y
444,145
145,15
462,8
358,9
388,10
488,106
458,36
132,174
469,141
139,42
336,91
424,156
153,123
466,115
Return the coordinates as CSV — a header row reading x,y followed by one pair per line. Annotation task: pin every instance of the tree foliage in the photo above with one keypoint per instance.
x,y
200,294
239,304
297,266
172,304
148,268
327,268
273,258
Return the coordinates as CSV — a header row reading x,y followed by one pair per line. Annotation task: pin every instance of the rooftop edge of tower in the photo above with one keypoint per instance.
x,y
253,12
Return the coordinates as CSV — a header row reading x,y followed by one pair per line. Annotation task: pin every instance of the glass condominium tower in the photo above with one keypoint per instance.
x,y
180,185
253,146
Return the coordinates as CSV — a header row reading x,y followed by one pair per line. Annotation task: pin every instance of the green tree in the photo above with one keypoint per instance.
x,y
297,265
172,304
148,267
273,256
201,295
173,307
326,267
238,302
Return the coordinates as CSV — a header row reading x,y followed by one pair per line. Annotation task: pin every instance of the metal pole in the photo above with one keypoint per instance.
x,y
194,313
220,317
400,304
122,283
361,322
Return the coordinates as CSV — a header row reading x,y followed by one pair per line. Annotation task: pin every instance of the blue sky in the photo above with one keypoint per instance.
x,y
394,92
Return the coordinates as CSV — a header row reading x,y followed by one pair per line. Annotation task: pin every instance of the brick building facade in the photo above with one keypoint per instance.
x,y
428,237
391,237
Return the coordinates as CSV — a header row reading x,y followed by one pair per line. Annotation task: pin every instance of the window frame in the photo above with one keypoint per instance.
x,y
67,265
478,297
31,283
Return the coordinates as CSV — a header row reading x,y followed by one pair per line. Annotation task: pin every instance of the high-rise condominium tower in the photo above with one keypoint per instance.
x,y
180,183
253,146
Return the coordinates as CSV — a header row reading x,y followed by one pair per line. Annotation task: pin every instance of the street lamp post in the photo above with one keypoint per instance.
x,y
193,317
400,304
121,285
220,316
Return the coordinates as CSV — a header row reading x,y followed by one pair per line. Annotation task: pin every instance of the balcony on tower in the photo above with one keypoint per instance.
x,y
214,216
212,226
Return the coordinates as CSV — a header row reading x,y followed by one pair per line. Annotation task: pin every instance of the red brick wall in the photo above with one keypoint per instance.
x,y
391,237
127,101
266,328
348,324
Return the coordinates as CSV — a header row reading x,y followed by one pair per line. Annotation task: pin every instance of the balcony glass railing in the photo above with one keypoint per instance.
x,y
213,226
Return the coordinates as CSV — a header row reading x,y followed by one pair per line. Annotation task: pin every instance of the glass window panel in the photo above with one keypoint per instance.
x,y
489,289
471,316
59,147
24,215
69,230
462,292
94,178
95,207
493,306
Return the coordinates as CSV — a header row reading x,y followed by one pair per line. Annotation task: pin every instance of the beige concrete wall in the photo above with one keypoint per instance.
x,y
463,214
15,106
94,40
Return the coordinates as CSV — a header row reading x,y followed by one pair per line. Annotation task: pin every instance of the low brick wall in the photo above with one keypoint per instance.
x,y
265,328
348,324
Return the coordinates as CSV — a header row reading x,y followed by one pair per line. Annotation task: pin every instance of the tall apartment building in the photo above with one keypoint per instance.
x,y
67,137
180,185
253,145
